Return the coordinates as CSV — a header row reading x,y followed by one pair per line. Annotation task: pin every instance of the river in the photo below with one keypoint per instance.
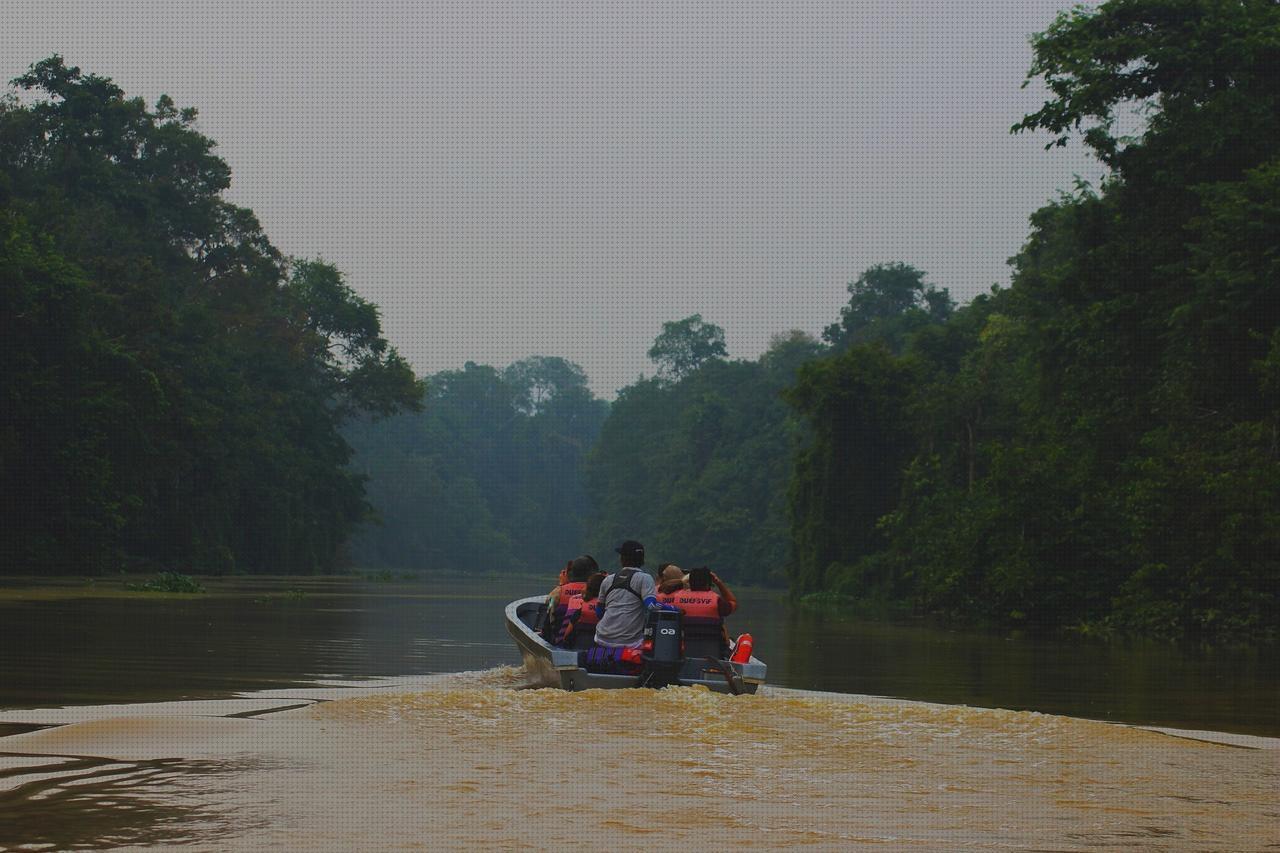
x,y
341,714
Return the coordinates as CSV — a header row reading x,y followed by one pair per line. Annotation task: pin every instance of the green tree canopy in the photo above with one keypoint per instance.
x,y
213,373
886,303
697,468
539,379
684,345
1198,70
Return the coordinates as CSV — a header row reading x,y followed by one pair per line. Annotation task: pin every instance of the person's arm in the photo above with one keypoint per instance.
x,y
648,594
728,603
605,586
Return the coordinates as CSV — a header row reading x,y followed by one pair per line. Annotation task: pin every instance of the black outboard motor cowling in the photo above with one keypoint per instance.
x,y
663,648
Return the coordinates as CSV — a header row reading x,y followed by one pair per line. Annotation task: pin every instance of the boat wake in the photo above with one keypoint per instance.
x,y
475,759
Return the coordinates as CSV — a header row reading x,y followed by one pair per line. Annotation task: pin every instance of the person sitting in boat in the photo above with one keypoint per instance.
x,y
705,601
577,628
573,580
625,599
671,578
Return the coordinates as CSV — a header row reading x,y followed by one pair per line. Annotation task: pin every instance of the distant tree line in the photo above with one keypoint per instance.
x,y
522,468
172,386
488,476
696,460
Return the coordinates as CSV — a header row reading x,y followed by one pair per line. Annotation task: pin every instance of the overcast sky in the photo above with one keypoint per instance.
x,y
506,179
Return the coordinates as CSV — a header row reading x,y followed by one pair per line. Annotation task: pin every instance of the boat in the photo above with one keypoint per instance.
x,y
551,666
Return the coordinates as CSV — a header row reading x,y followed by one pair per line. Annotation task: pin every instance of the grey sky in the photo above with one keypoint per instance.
x,y
506,179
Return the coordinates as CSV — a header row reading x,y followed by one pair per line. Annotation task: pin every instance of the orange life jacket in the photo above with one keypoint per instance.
x,y
587,613
556,618
564,592
701,607
571,588
578,615
702,619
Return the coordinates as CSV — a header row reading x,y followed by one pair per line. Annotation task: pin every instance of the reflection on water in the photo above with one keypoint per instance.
x,y
1219,689
471,762
246,634
253,633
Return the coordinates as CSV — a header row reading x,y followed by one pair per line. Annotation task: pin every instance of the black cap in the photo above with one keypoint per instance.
x,y
631,546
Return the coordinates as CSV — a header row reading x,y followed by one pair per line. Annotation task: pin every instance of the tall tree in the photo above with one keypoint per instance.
x,y
848,474
684,345
539,379
886,303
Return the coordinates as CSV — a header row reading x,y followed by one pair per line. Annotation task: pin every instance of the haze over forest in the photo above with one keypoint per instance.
x,y
560,179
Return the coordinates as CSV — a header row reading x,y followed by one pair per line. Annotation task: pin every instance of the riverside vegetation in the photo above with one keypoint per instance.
x,y
1096,445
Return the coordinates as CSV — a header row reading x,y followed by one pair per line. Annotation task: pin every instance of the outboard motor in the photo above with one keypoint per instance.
x,y
663,648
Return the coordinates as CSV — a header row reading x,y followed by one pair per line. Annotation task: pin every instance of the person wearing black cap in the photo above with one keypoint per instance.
x,y
625,599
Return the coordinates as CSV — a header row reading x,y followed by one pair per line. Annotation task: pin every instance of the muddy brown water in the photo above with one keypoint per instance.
x,y
217,722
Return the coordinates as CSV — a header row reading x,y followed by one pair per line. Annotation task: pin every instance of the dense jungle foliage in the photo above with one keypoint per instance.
x,y
522,468
697,465
487,477
1098,444
172,386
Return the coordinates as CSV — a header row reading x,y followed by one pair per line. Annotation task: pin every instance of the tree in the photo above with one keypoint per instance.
x,y
788,350
539,379
684,345
344,337
848,474
205,375
1097,444
1135,327
69,396
1200,71
886,303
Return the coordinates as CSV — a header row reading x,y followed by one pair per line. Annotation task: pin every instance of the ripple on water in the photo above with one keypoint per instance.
x,y
67,802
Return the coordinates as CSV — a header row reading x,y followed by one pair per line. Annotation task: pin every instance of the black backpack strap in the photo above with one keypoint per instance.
x,y
622,580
